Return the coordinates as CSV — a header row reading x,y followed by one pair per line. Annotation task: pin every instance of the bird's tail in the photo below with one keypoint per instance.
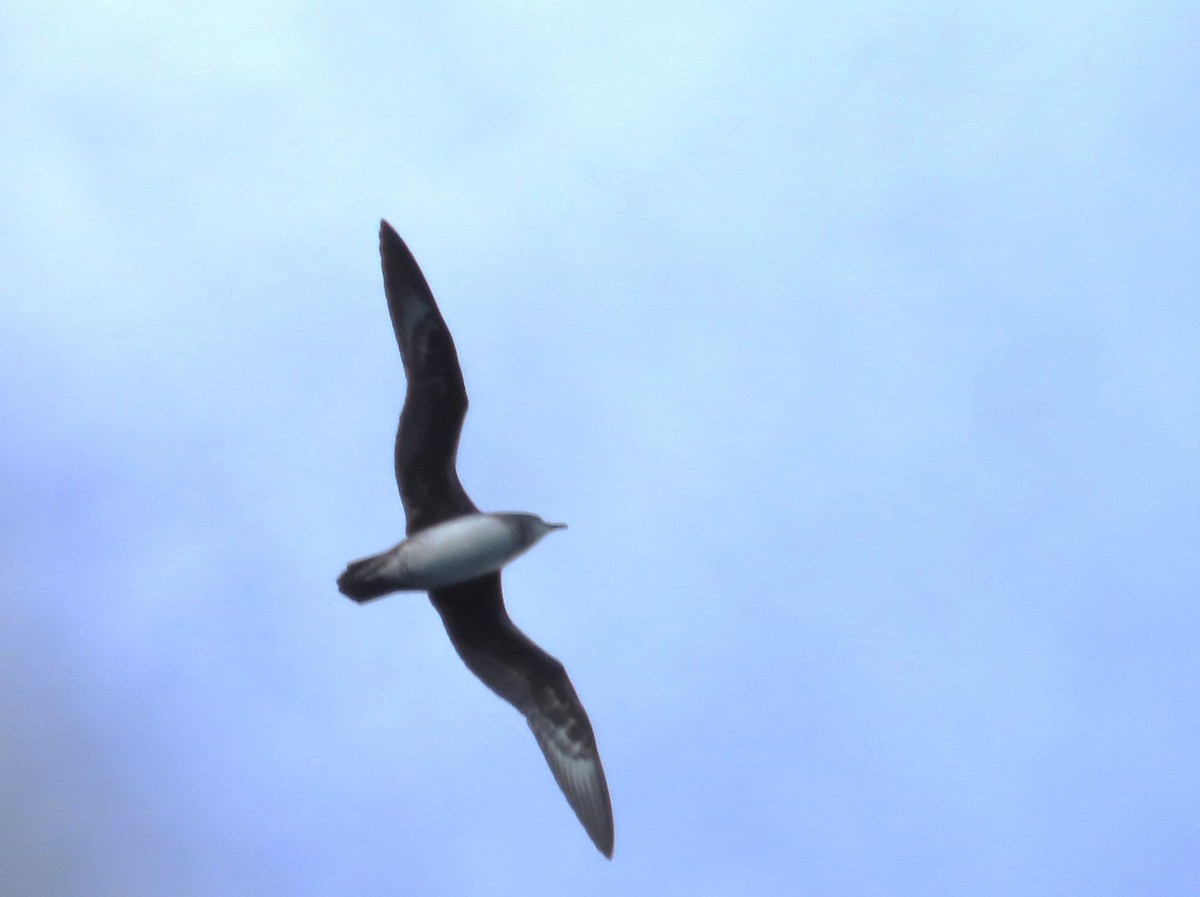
x,y
366,579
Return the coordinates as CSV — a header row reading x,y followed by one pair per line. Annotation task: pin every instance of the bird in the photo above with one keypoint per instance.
x,y
455,552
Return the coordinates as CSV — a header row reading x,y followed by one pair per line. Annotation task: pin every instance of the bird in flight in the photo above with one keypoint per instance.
x,y
455,552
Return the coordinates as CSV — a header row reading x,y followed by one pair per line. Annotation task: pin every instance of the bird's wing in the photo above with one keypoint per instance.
x,y
537,685
436,401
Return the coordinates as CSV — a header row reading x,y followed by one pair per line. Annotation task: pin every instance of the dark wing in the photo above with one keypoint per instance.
x,y
436,401
536,684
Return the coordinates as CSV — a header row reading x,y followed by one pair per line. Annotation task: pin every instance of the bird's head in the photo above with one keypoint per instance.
x,y
533,527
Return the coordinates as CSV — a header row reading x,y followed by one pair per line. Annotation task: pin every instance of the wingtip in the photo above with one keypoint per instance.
x,y
602,836
606,849
597,821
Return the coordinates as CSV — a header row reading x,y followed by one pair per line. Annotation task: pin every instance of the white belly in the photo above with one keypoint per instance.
x,y
456,551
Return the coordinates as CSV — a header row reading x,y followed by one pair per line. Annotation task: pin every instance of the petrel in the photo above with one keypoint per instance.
x,y
455,552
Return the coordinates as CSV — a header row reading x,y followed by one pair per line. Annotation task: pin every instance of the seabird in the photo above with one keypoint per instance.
x,y
455,552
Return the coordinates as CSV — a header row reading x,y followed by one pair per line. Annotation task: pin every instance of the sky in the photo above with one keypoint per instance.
x,y
857,344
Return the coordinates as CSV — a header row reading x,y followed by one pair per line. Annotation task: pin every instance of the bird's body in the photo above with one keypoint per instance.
x,y
445,554
456,553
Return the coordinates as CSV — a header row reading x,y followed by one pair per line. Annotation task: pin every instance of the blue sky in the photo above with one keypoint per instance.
x,y
857,347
